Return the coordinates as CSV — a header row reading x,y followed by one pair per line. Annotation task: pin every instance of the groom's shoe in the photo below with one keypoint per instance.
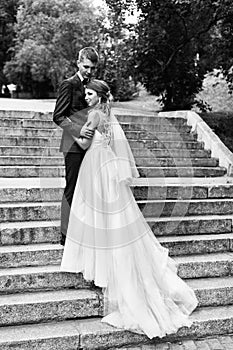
x,y
63,239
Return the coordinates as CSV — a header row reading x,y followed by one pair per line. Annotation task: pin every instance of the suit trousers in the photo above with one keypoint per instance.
x,y
72,165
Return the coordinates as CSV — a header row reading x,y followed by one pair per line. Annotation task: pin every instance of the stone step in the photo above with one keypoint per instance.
x,y
153,126
29,211
39,278
43,190
36,160
213,291
30,132
90,334
166,126
152,119
125,118
74,304
191,225
30,255
31,171
14,150
49,277
197,244
170,153
132,135
175,162
30,141
149,172
202,264
27,123
154,144
34,211
205,265
55,142
182,171
49,306
17,114
52,160
30,232
57,159
50,254
160,136
184,207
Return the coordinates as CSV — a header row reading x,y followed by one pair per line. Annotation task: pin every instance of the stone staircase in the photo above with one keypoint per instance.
x,y
184,196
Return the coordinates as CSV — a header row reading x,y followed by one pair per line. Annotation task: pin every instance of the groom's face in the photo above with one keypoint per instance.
x,y
86,68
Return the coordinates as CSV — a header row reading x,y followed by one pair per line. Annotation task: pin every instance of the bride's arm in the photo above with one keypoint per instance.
x,y
92,123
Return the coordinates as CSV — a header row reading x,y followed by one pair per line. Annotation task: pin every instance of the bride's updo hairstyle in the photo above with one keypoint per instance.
x,y
102,89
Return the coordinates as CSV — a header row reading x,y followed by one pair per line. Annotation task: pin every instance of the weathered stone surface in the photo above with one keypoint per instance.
x,y
166,126
170,153
29,151
30,132
213,291
32,171
221,191
150,208
181,208
29,232
39,161
190,225
169,192
197,244
29,211
48,306
155,144
182,171
176,162
30,194
52,336
28,279
143,119
48,149
32,255
95,335
29,141
211,265
27,123
159,136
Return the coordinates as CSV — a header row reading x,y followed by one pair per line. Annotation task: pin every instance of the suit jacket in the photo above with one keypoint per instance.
x,y
70,100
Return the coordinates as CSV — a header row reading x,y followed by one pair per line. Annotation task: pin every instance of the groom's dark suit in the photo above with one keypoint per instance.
x,y
70,100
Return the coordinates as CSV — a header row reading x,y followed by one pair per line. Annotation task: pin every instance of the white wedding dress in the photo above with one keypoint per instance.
x,y
110,242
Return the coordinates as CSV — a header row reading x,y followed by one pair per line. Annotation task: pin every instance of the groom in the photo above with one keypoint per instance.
x,y
71,98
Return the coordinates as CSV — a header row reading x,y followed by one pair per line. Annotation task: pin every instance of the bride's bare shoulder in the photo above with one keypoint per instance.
x,y
95,116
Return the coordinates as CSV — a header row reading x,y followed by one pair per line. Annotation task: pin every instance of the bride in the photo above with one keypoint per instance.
x,y
110,242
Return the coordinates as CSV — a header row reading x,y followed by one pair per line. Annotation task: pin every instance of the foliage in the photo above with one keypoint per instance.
x,y
48,36
222,125
178,42
8,10
175,42
117,50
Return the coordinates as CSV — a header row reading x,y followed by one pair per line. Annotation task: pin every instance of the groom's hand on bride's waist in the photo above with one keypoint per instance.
x,y
87,132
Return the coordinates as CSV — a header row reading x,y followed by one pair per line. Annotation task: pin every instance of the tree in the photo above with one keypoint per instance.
x,y
48,36
117,49
174,41
8,11
177,43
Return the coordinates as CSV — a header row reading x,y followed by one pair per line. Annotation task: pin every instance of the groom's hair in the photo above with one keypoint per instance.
x,y
90,53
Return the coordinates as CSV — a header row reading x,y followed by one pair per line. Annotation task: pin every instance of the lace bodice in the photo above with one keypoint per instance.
x,y
104,128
